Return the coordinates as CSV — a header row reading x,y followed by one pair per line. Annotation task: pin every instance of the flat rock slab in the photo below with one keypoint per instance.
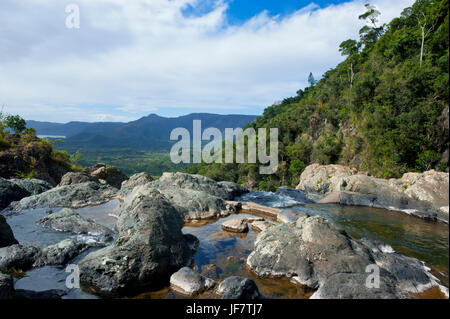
x,y
236,287
69,220
188,282
290,216
235,225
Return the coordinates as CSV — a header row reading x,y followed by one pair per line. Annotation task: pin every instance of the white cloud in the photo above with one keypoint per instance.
x,y
142,56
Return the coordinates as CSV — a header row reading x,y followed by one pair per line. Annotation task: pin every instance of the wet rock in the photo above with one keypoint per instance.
x,y
6,234
6,287
60,253
188,282
418,194
238,288
18,256
257,209
318,254
10,192
51,294
192,241
78,195
260,226
69,220
236,225
150,247
290,216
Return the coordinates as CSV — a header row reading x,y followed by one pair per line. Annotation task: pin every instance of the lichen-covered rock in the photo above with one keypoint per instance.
x,y
135,180
188,282
150,247
60,253
6,234
69,220
18,256
238,288
423,195
78,195
196,197
318,254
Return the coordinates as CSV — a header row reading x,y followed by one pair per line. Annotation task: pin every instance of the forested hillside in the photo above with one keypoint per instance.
x,y
383,110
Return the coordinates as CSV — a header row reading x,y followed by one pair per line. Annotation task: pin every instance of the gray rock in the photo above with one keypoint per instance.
x,y
32,185
6,234
69,220
78,195
318,254
10,192
290,216
73,178
260,226
18,256
135,180
236,225
60,253
107,174
188,282
238,288
424,195
6,287
149,249
196,197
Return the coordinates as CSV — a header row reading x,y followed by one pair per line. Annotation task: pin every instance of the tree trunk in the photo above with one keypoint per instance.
x,y
421,47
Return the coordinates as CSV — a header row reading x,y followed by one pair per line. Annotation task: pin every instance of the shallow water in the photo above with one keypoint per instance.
x,y
408,235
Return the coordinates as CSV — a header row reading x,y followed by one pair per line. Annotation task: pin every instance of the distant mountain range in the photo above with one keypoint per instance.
x,y
148,133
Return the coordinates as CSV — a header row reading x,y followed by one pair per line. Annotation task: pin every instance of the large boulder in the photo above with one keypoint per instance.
x,y
10,192
150,247
69,220
18,256
100,173
72,178
75,196
6,234
320,255
421,194
195,196
135,180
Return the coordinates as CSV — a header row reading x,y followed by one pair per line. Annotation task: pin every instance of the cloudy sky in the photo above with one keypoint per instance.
x,y
130,58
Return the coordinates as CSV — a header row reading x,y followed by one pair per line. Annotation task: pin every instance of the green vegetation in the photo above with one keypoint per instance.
x,y
129,161
384,109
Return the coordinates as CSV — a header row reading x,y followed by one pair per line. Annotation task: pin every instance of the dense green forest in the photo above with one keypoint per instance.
x,y
383,110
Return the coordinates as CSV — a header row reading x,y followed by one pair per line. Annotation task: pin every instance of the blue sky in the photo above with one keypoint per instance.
x,y
130,58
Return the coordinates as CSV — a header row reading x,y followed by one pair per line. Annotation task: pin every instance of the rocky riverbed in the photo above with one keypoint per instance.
x,y
188,236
